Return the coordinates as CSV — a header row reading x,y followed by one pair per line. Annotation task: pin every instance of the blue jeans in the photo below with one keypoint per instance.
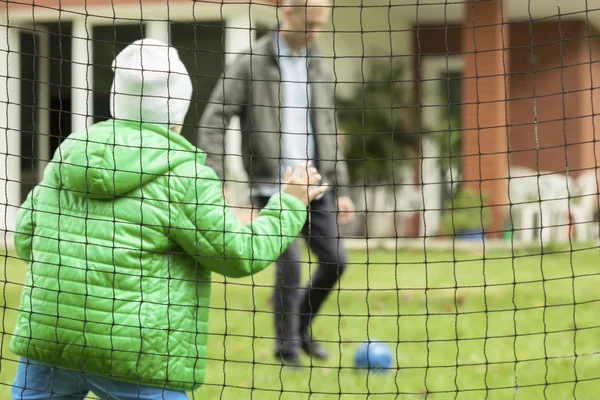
x,y
36,381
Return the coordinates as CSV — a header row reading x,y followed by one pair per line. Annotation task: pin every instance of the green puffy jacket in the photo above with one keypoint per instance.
x,y
121,237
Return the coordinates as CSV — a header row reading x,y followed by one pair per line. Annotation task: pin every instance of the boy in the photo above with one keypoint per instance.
x,y
121,237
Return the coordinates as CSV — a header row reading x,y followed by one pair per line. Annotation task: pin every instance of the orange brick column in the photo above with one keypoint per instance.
x,y
484,88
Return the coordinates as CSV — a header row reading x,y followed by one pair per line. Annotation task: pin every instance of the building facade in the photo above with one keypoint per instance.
x,y
528,78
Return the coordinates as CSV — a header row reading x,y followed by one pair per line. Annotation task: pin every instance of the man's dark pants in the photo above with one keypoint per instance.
x,y
296,307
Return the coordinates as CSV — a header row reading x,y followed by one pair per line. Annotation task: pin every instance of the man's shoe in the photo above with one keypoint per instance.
x,y
289,360
313,348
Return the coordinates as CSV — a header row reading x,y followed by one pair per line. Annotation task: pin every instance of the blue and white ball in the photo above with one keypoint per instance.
x,y
374,355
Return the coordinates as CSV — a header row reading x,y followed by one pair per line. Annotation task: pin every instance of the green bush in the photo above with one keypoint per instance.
x,y
466,210
380,125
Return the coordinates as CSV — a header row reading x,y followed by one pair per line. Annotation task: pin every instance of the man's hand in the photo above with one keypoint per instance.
x,y
346,208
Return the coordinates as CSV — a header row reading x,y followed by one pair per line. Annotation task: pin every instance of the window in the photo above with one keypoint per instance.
x,y
108,42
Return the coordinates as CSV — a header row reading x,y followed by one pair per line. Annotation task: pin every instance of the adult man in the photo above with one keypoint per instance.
x,y
283,94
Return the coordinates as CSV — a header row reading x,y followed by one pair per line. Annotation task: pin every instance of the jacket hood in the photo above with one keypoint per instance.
x,y
115,157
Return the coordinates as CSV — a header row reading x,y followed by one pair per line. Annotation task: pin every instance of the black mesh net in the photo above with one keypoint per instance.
x,y
156,247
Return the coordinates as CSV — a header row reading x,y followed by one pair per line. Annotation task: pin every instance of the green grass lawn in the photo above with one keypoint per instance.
x,y
462,326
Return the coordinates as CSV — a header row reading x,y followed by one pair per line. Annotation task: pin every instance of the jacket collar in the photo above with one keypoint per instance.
x,y
267,46
283,49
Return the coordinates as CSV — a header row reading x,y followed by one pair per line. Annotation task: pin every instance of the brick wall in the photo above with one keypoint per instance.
x,y
550,84
553,78
558,76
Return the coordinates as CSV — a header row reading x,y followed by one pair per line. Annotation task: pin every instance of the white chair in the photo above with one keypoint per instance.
x,y
583,207
554,195
378,205
539,205
523,196
526,219
409,201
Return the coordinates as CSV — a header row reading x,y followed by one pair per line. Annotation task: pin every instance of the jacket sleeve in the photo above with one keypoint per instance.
x,y
207,229
24,228
342,178
226,101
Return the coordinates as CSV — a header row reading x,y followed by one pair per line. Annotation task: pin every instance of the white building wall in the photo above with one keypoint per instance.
x,y
10,124
356,35
81,76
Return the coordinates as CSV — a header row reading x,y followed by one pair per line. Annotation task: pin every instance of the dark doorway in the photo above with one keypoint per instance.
x,y
59,101
28,82
200,47
60,83
109,41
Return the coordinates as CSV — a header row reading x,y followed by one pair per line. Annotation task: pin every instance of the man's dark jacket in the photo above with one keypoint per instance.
x,y
250,88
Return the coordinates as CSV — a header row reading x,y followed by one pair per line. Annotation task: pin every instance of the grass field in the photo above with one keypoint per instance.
x,y
463,326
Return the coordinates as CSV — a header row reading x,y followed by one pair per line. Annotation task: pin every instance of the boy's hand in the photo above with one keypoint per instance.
x,y
302,183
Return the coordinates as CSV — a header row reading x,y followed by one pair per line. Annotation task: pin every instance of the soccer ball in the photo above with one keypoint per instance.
x,y
373,354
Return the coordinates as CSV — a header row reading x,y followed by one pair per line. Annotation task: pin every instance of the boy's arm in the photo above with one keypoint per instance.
x,y
24,228
226,101
207,229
